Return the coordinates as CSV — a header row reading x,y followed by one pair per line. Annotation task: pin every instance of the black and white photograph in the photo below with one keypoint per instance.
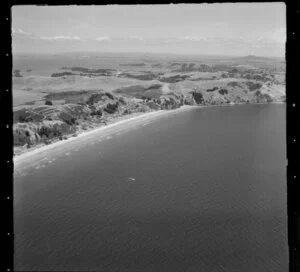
x,y
150,138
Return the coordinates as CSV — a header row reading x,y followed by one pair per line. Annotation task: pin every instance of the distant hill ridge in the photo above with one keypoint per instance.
x,y
256,58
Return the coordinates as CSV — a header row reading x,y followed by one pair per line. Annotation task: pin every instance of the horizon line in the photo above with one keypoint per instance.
x,y
145,53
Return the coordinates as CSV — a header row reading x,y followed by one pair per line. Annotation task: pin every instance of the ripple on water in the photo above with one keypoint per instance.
x,y
131,179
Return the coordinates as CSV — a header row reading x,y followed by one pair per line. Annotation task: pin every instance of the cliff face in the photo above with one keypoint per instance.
x,y
35,124
25,134
41,124
33,133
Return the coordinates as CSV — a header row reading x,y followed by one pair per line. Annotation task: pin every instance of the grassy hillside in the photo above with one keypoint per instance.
x,y
74,98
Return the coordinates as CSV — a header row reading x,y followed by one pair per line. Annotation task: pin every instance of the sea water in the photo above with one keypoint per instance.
x,y
199,190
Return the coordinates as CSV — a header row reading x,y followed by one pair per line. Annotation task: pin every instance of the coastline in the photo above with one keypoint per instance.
x,y
114,123
122,120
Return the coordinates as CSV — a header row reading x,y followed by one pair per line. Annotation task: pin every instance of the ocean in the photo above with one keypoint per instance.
x,y
199,190
45,65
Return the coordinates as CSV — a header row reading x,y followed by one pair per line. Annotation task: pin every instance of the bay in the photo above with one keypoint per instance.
x,y
199,190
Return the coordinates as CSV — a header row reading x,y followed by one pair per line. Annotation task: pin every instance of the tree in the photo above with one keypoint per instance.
x,y
223,91
48,102
109,95
111,108
198,97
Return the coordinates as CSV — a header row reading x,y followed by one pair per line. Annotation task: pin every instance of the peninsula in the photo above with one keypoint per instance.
x,y
72,99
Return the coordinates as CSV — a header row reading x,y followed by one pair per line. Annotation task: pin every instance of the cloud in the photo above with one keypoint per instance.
x,y
163,41
119,39
182,40
19,32
278,35
76,38
191,38
129,39
139,38
103,39
265,43
60,38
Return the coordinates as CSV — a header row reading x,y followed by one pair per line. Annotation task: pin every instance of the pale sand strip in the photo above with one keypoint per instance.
x,y
19,159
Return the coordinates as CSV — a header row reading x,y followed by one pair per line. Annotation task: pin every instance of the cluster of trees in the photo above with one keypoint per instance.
x,y
133,64
253,85
174,79
186,67
30,135
73,97
192,67
122,100
198,97
62,74
223,91
88,70
224,75
234,84
48,102
173,101
259,77
21,136
111,108
95,98
47,132
148,76
67,118
263,97
145,98
56,131
212,90
62,95
153,104
169,103
96,112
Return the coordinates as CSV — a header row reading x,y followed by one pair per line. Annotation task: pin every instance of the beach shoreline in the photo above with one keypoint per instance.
x,y
116,122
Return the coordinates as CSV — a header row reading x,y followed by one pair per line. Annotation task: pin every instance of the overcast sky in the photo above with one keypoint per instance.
x,y
213,29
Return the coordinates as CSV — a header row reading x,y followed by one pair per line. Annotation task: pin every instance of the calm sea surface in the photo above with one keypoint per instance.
x,y
201,190
44,65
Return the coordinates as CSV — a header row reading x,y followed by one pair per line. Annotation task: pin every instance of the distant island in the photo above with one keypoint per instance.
x,y
78,99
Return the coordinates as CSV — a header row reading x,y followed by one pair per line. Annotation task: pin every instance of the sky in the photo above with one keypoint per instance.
x,y
235,29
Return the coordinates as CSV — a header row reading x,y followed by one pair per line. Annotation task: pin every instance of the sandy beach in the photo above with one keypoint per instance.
x,y
41,150
119,122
